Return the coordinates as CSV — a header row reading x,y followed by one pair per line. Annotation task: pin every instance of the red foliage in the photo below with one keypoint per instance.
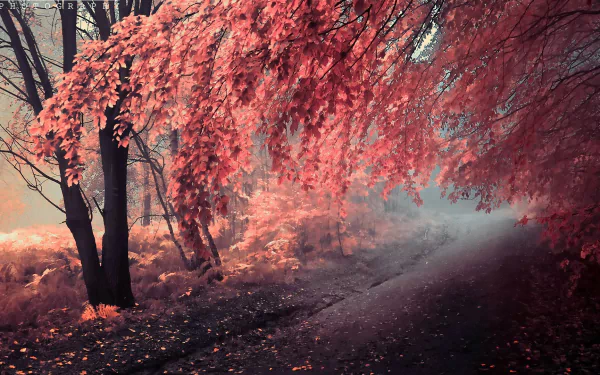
x,y
522,116
237,89
503,97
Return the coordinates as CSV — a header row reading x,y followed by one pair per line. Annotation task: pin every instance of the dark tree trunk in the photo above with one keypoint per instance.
x,y
174,148
174,143
232,216
69,24
339,235
76,209
147,203
79,224
168,210
33,97
211,244
109,283
115,242
77,215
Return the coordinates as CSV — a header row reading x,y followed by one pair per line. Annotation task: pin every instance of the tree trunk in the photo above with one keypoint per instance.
x,y
115,242
78,221
109,283
174,148
147,203
232,216
339,235
211,244
174,143
80,226
77,215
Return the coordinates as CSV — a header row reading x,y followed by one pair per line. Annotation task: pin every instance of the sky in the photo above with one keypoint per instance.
x,y
35,209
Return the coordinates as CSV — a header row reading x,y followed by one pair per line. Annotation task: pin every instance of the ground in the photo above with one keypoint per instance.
x,y
471,296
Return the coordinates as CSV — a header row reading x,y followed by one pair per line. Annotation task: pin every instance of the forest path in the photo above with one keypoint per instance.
x,y
450,309
473,295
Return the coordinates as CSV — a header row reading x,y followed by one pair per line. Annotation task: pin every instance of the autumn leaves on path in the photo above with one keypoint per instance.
x,y
472,306
467,306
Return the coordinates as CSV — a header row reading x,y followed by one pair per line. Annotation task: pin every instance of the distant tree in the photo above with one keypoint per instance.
x,y
11,202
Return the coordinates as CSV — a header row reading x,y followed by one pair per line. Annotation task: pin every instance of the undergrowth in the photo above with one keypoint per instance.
x,y
41,285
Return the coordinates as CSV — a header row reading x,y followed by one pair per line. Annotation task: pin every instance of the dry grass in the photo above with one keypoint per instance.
x,y
106,312
290,229
41,284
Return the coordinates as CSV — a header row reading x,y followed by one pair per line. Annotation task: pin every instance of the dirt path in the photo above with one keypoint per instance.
x,y
440,313
459,301
489,302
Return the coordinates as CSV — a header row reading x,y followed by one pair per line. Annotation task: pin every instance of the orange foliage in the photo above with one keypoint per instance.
x,y
41,280
288,226
40,272
106,312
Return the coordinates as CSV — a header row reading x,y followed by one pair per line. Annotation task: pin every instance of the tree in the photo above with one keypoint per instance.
x,y
389,87
11,203
276,83
520,105
108,283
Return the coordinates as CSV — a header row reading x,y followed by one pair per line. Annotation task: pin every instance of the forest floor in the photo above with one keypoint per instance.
x,y
465,298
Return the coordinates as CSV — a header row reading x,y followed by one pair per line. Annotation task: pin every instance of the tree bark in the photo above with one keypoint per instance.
x,y
33,97
109,282
78,221
211,244
174,143
174,148
69,24
79,224
115,242
339,235
147,197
